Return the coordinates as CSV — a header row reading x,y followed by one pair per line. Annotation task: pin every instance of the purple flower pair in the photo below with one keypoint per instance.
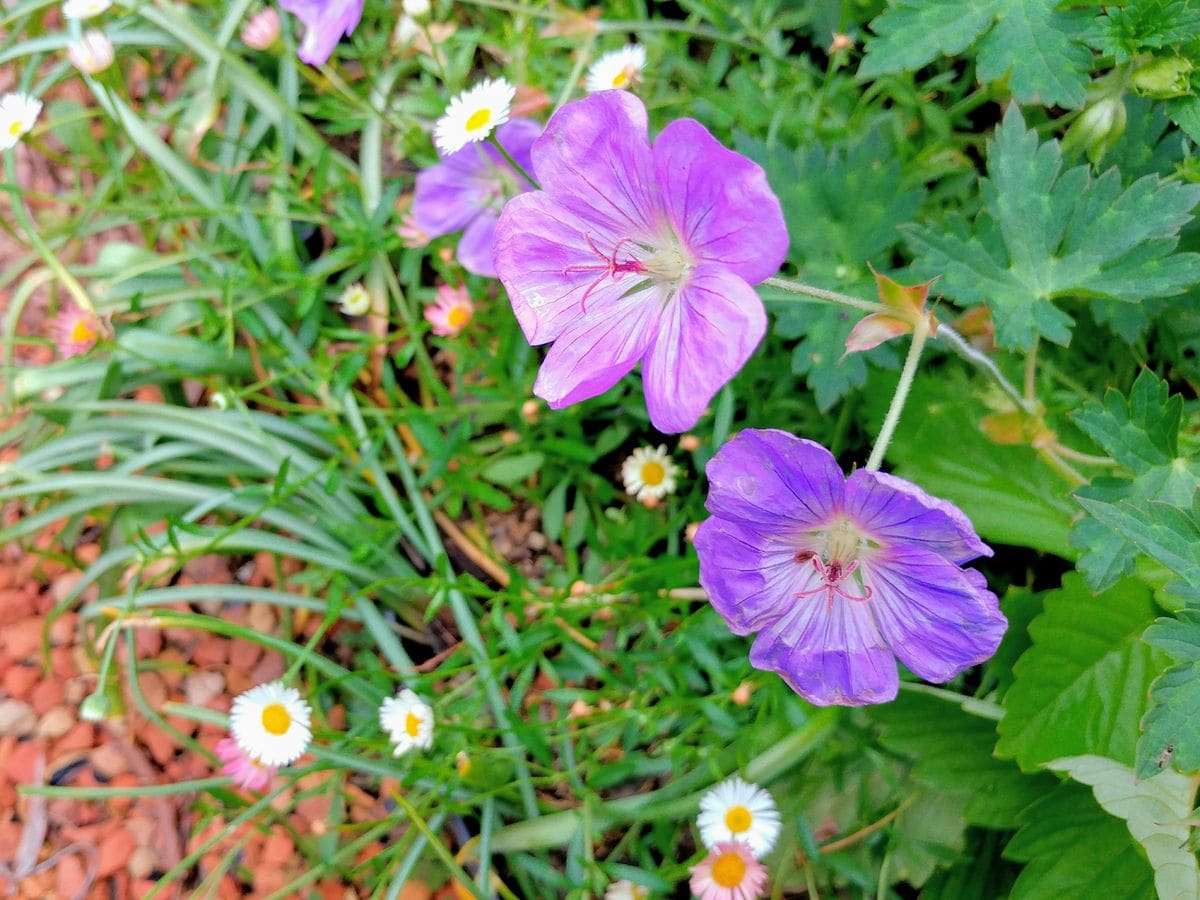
x,y
838,575
325,21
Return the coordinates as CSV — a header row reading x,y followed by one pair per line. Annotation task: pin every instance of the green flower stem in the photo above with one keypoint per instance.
x,y
437,846
581,60
495,142
907,374
816,293
558,829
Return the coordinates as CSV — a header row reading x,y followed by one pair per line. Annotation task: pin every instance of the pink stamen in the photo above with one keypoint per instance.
x,y
833,575
609,265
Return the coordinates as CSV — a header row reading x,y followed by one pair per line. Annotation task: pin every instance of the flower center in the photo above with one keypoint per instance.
x,y
729,870
456,319
276,719
81,332
653,474
412,724
621,78
479,119
843,542
669,263
14,130
738,819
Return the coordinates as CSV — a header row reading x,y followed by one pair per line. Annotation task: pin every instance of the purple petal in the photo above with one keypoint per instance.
x,y
897,512
596,350
517,137
325,21
594,159
750,573
476,245
829,654
939,619
719,202
543,258
774,479
708,332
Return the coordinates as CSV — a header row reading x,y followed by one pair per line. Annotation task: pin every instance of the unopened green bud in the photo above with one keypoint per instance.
x,y
1097,129
94,708
1163,78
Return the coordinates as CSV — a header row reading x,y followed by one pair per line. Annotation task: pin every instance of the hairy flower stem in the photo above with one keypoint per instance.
x,y
808,290
920,333
494,141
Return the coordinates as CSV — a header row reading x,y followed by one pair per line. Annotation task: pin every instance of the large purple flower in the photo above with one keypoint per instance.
x,y
839,574
637,253
467,190
325,21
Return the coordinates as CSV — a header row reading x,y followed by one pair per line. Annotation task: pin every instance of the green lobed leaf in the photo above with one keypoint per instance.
x,y
1154,811
1171,726
913,33
1073,850
1082,687
1045,233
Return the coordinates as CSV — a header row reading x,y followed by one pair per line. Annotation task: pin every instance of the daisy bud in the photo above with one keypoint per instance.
x,y
355,301
840,42
529,411
509,437
92,53
741,694
262,30
689,443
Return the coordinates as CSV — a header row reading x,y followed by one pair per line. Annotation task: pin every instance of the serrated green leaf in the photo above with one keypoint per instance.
x,y
913,33
1171,726
1074,850
1141,432
1082,687
1045,233
1168,534
1154,812
953,752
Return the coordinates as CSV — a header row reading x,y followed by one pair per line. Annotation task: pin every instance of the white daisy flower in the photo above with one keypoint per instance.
x,y
408,720
92,53
473,114
649,472
18,114
271,723
355,301
617,70
417,8
84,9
625,890
737,811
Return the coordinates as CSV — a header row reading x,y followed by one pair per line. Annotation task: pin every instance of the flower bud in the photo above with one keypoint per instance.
x,y
1097,129
1164,78
94,708
92,53
262,30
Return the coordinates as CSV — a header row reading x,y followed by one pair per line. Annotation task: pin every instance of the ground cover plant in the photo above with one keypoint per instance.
x,y
745,449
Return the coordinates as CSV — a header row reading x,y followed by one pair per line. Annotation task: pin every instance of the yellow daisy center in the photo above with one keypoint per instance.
x,y
729,870
479,119
412,724
276,719
15,129
653,473
738,819
621,78
81,332
458,317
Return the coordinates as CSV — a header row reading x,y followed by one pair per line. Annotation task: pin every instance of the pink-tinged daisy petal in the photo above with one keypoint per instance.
x,y
243,770
325,22
475,246
707,333
593,353
554,276
829,654
897,511
594,159
75,331
772,478
939,619
729,872
715,198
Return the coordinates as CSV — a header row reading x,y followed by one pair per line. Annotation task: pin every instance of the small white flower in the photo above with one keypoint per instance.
x,y
84,9
617,70
473,114
271,724
18,114
737,811
355,301
405,32
417,8
408,720
625,890
92,53
649,472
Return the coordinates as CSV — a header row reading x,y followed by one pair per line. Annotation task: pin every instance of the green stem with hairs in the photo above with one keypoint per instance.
x,y
907,374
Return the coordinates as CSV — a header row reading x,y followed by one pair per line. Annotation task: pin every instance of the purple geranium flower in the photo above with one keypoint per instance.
x,y
839,574
637,253
325,21
467,190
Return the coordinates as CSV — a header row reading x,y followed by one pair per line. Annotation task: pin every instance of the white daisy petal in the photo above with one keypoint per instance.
x,y
18,115
84,9
625,890
408,720
271,723
737,811
617,70
473,114
649,472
